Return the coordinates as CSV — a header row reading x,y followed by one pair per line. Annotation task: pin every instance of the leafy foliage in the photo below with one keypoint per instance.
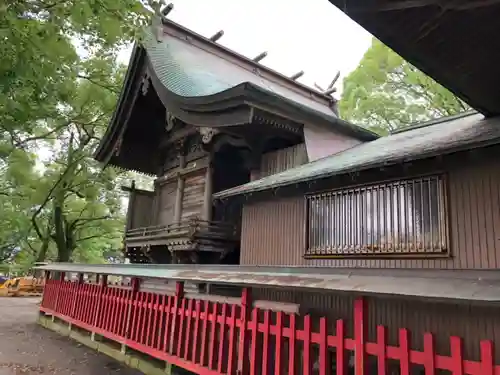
x,y
59,83
385,92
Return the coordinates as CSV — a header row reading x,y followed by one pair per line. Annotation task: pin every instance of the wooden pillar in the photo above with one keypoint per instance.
x,y
131,206
180,190
207,201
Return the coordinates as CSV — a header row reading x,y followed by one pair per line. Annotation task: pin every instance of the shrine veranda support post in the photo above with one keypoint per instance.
x,y
209,334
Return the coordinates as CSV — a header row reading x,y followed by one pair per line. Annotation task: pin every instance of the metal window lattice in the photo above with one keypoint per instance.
x,y
403,217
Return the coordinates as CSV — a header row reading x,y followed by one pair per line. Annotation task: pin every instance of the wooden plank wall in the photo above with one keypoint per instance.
x,y
273,231
192,199
321,142
281,160
166,203
142,210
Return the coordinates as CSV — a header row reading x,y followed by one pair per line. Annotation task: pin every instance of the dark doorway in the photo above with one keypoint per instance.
x,y
229,171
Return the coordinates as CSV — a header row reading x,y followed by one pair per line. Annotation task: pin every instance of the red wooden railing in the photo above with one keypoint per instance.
x,y
220,338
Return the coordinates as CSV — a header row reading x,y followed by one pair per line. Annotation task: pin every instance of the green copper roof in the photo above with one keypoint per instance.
x,y
180,68
448,135
189,71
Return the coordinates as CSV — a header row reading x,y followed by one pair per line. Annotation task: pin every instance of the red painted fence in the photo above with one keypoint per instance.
x,y
220,338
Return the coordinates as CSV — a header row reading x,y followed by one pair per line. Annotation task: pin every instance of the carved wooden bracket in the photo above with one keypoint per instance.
x,y
145,84
170,121
207,134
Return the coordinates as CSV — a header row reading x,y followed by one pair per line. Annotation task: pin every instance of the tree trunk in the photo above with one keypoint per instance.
x,y
63,251
42,254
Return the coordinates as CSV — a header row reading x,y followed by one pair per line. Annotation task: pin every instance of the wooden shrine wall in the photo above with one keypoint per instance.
x,y
140,209
281,160
166,202
193,194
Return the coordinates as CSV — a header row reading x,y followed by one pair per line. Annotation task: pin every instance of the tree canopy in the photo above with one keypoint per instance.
x,y
59,82
385,92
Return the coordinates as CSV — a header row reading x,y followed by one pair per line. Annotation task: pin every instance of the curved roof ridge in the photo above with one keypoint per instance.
x,y
173,28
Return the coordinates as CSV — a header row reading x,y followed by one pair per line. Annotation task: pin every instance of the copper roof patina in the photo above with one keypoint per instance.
x,y
439,137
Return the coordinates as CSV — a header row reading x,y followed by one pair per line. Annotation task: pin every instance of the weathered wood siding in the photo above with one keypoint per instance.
x,y
140,209
472,323
192,198
281,160
166,203
322,142
273,232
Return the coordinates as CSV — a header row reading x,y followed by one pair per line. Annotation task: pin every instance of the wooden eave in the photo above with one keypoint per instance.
x,y
246,95
451,41
118,121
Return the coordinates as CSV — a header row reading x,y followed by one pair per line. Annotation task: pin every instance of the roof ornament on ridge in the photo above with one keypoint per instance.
x,y
260,57
297,75
219,34
329,91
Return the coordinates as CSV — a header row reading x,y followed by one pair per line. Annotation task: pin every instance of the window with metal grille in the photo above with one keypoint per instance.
x,y
406,217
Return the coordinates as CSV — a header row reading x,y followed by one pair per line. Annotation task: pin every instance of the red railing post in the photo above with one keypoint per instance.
x,y
103,280
243,350
59,287
487,358
134,284
179,295
325,366
76,291
360,328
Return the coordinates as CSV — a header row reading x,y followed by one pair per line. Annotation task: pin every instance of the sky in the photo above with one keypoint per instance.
x,y
318,38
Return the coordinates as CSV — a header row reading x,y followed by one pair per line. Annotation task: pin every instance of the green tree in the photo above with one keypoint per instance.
x,y
83,201
385,93
58,87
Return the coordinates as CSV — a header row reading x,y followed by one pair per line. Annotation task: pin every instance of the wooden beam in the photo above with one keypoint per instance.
x,y
177,136
130,208
214,38
207,200
297,75
409,4
260,57
180,190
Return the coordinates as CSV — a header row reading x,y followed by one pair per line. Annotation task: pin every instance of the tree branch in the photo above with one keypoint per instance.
x,y
91,80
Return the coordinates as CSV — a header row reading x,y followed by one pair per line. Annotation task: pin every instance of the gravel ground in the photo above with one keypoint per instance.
x,y
26,348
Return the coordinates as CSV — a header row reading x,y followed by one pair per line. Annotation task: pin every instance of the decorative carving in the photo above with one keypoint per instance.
x,y
177,147
194,147
207,134
170,121
278,123
145,85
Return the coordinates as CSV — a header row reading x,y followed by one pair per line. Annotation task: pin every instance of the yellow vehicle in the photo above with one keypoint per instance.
x,y
15,286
